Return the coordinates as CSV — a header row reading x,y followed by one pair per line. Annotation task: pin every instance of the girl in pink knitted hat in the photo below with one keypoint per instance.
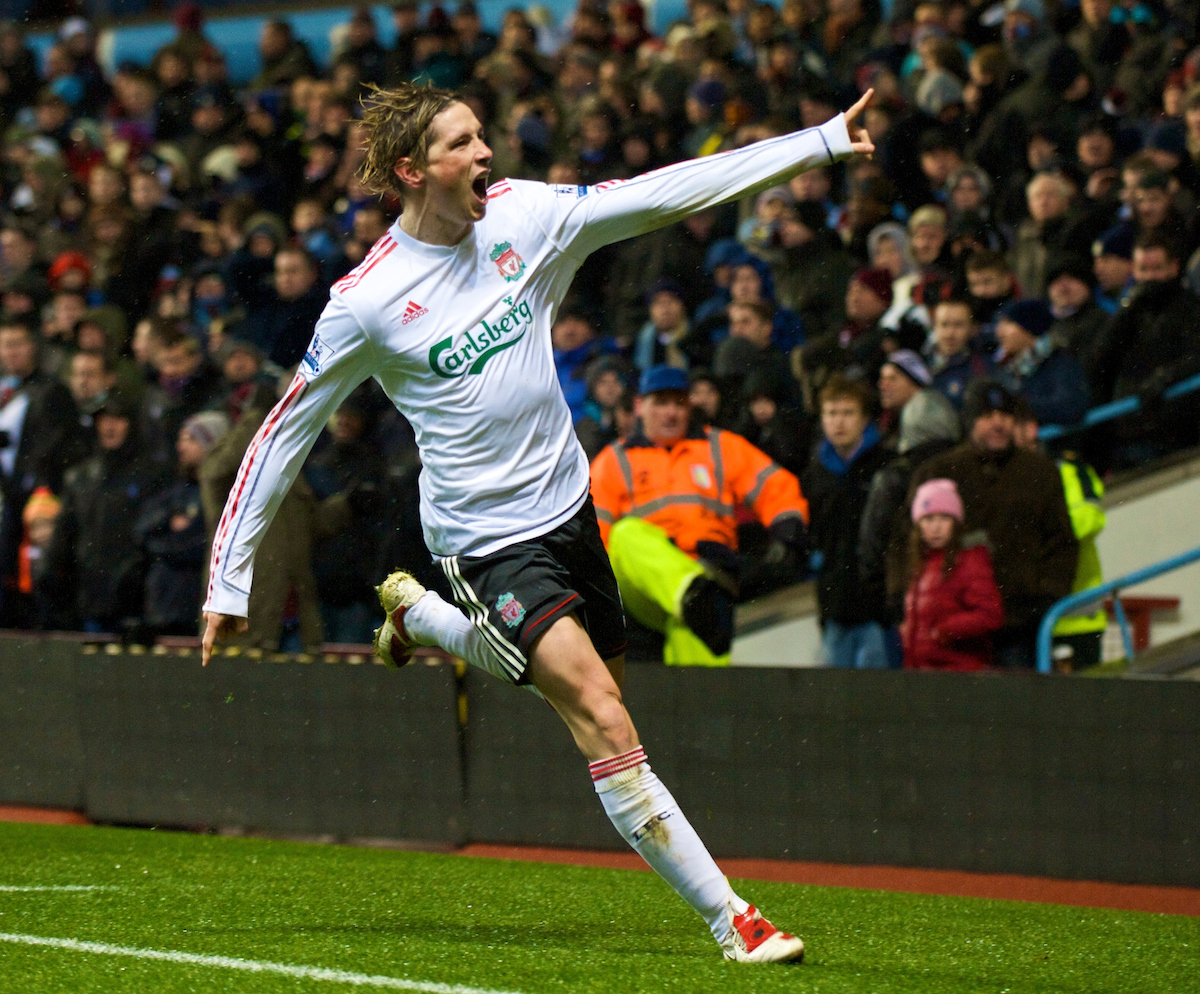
x,y
953,604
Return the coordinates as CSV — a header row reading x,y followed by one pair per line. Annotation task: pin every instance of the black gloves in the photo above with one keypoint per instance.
x,y
789,537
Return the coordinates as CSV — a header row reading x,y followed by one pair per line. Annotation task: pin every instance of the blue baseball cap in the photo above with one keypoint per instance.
x,y
658,378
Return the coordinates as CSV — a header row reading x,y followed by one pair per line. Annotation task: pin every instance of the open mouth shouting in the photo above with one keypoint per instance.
x,y
479,187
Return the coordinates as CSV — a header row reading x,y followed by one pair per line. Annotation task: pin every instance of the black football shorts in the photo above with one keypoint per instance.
x,y
514,595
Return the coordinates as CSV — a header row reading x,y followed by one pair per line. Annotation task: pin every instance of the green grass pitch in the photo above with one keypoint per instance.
x,y
491,925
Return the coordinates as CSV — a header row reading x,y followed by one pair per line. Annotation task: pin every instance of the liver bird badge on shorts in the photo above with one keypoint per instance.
x,y
511,265
510,610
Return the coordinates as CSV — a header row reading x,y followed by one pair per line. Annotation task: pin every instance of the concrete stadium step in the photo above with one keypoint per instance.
x,y
1177,659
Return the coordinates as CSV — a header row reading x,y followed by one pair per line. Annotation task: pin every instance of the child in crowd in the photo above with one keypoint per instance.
x,y
38,517
953,603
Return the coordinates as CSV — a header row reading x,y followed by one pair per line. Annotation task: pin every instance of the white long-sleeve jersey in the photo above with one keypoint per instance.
x,y
459,338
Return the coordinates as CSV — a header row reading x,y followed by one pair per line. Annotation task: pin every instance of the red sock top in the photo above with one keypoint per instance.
x,y
603,768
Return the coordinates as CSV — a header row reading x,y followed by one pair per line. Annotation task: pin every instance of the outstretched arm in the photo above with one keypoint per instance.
x,y
339,358
589,217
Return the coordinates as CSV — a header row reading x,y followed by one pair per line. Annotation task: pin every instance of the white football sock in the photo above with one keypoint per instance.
x,y
646,815
431,621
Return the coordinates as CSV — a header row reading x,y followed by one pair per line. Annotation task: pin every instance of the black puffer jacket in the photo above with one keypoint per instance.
x,y
1153,341
170,529
95,562
883,533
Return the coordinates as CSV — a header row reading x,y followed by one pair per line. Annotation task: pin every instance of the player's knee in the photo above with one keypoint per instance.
x,y
605,711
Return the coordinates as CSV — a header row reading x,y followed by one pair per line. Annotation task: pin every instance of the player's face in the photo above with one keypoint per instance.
x,y
459,162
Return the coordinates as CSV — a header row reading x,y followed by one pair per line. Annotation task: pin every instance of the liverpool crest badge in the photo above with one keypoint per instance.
x,y
510,610
511,265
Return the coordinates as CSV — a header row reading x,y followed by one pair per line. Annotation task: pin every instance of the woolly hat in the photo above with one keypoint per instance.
x,y
232,345
1116,241
533,131
709,92
1063,67
266,223
606,364
781,193
911,365
878,281
207,428
664,286
41,504
188,16
118,403
73,26
939,90
1034,8
1071,264
937,497
1168,136
985,396
724,252
1032,315
67,261
810,214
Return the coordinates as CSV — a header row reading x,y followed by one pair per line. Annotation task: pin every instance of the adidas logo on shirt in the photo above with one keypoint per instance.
x,y
412,312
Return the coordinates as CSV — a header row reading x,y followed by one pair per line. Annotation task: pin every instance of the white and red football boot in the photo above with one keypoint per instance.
x,y
397,594
753,939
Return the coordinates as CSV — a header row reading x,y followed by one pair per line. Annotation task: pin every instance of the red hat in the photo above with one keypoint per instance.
x,y
878,281
65,263
188,16
633,12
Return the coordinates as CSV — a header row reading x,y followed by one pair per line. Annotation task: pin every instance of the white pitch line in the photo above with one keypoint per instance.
x,y
13,889
247,965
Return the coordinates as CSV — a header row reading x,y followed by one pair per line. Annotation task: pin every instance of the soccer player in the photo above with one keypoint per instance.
x,y
451,313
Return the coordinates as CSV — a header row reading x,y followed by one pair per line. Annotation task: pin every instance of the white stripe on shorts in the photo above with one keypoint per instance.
x,y
510,656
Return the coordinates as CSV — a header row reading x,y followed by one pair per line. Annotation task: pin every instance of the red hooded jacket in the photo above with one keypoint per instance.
x,y
948,621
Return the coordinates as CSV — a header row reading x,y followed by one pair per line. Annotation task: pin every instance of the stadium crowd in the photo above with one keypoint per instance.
x,y
889,331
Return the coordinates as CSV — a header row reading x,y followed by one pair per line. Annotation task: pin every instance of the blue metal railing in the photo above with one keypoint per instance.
x,y
1093,594
1116,409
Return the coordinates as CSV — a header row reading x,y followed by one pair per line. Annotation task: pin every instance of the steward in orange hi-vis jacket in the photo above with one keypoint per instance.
x,y
666,498
690,489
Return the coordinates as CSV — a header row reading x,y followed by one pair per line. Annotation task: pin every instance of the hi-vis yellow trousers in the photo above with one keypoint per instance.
x,y
652,575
